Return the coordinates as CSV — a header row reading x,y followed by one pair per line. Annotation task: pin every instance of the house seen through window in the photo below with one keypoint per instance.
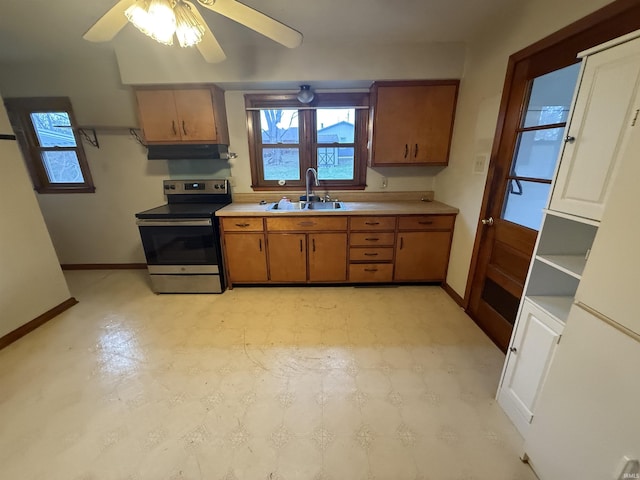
x,y
289,139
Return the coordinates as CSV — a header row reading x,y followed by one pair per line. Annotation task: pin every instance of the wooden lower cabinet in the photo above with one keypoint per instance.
x,y
327,257
339,249
246,257
422,256
287,257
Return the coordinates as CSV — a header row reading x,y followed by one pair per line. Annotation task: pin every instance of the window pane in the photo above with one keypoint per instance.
x,y
53,129
524,203
537,153
281,163
279,126
551,96
335,125
62,167
335,163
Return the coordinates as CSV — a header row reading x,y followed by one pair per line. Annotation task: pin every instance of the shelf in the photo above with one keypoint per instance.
x,y
557,307
570,264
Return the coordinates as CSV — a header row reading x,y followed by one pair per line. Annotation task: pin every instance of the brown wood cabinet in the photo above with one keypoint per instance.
x,y
412,122
183,115
298,256
337,249
371,241
245,249
287,257
423,244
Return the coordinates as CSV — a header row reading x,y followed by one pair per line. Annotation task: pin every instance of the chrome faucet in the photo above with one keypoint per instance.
x,y
309,190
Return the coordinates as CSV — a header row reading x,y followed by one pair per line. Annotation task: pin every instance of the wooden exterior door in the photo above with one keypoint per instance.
x,y
527,139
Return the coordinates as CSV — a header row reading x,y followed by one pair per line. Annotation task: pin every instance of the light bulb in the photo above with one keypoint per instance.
x,y
305,95
188,30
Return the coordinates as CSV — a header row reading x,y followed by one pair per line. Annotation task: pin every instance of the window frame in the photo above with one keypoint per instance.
x,y
19,111
307,142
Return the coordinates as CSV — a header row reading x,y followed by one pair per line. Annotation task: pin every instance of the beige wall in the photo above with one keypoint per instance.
x,y
478,105
31,282
100,227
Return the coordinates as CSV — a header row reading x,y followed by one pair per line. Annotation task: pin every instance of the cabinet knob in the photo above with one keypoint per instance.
x,y
569,139
513,350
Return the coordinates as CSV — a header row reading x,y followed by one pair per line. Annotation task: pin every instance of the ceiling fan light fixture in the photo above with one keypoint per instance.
x,y
188,29
305,95
154,18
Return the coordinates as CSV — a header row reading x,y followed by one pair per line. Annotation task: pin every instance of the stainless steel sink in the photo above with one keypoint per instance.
x,y
307,206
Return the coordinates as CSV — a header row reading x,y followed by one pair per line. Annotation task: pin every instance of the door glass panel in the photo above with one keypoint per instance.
x,y
551,96
537,153
281,163
279,126
524,202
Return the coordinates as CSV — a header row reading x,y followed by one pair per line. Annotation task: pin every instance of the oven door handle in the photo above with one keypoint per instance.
x,y
174,223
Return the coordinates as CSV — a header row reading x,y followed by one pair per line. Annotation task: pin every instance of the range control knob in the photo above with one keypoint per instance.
x,y
216,186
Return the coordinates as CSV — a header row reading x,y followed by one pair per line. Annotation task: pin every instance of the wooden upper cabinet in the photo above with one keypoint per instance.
x,y
412,122
183,115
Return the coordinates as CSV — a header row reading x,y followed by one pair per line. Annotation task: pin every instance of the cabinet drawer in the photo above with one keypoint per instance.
x,y
370,272
371,239
426,222
242,224
373,223
307,224
371,254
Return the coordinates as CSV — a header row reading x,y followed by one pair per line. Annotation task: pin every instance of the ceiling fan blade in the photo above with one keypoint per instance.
x,y
208,46
253,19
109,24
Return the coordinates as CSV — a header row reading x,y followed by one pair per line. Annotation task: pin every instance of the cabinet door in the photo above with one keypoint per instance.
x,y
422,256
412,123
195,115
395,118
603,112
435,108
530,355
287,257
327,257
158,116
246,257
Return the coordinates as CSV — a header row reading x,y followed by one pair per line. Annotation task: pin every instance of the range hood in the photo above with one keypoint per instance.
x,y
188,152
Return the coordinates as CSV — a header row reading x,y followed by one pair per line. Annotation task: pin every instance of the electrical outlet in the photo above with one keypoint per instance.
x,y
480,164
384,183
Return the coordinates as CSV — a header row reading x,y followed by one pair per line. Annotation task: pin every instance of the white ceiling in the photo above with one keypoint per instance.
x,y
38,29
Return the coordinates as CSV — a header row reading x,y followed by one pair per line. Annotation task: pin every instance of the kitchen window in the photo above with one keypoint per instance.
x,y
286,138
47,134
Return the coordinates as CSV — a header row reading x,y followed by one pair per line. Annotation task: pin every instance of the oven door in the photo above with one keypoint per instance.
x,y
179,241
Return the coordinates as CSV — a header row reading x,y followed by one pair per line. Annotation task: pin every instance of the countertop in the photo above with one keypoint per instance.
x,y
403,207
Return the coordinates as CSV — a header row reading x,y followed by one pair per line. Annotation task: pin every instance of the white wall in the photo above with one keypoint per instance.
x,y
478,105
31,282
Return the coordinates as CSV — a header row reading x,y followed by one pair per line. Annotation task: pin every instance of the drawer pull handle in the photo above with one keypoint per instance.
x,y
372,239
313,244
242,225
260,243
401,242
184,128
415,154
406,150
173,127
372,223
426,222
370,269
306,224
370,254
300,246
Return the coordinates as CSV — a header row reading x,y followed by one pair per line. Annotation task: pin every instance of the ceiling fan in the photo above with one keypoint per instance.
x,y
108,26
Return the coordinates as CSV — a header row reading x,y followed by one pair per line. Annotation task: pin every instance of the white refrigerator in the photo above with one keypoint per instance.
x,y
588,417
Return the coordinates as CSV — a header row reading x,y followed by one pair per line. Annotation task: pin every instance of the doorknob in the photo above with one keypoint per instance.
x,y
487,221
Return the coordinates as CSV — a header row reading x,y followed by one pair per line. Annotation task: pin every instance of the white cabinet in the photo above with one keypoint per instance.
x,y
560,256
604,109
531,352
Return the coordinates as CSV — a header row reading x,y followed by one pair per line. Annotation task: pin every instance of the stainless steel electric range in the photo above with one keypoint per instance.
x,y
181,239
